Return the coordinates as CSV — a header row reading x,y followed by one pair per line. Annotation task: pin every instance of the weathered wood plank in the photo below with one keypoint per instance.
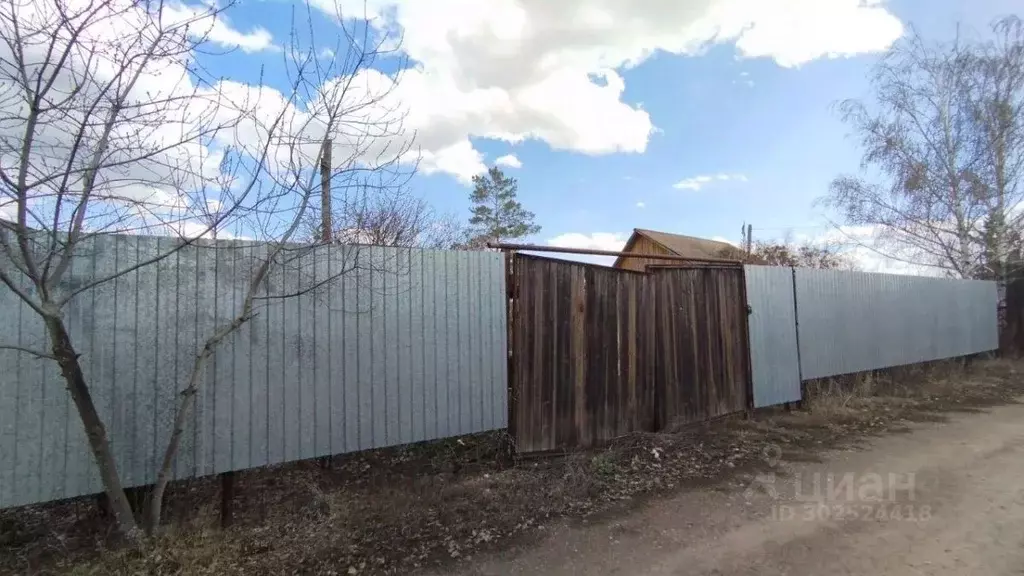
x,y
600,352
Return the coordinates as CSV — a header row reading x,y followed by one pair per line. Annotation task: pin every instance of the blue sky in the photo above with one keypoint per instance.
x,y
755,110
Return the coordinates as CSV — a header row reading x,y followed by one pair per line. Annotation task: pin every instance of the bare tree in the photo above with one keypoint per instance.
x,y
943,150
447,232
827,256
390,217
109,123
996,94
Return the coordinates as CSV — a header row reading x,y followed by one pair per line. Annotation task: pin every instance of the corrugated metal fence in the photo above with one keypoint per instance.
x,y
775,364
855,321
850,322
598,352
409,345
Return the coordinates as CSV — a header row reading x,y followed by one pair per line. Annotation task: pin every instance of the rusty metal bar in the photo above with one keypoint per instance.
x,y
725,264
591,252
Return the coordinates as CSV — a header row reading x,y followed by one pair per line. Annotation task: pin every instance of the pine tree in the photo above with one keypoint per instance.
x,y
497,214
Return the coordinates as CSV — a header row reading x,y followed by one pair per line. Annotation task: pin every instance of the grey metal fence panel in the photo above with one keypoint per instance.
x,y
403,346
774,362
855,321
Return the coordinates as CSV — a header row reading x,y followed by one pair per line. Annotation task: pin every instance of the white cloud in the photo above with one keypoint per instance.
x,y
326,53
857,243
597,241
612,242
641,205
508,160
460,160
155,153
193,229
165,155
551,71
695,183
797,31
509,70
698,182
218,30
257,40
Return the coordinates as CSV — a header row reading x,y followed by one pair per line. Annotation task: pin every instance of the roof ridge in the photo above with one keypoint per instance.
x,y
647,230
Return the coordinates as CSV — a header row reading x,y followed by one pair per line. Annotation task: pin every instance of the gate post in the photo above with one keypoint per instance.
x,y
508,452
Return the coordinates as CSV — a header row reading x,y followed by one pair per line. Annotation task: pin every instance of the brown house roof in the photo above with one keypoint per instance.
x,y
687,246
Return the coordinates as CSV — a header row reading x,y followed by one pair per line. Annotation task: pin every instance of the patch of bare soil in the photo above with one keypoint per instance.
x,y
399,510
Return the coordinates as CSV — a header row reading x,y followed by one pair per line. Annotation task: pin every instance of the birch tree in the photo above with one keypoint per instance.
x,y
943,152
109,123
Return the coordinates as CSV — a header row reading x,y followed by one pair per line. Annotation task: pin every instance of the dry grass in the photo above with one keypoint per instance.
x,y
842,411
400,510
933,386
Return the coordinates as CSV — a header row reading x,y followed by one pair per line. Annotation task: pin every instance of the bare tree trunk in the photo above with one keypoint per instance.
x,y
188,395
66,356
185,404
102,78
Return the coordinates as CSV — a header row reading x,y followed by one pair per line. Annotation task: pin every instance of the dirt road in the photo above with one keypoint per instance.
x,y
947,498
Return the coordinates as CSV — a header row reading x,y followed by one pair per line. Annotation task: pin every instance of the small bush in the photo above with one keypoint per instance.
x,y
603,465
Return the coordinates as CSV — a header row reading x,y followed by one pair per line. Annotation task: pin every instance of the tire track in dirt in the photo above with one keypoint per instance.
x,y
968,473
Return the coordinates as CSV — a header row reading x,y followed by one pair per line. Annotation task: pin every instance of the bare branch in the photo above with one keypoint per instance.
x,y
110,122
36,353
32,302
946,137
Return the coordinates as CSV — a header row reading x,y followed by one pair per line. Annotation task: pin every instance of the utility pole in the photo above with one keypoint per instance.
x,y
326,226
325,193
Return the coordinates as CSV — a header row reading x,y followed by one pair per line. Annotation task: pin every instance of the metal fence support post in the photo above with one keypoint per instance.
x,y
799,362
747,311
227,498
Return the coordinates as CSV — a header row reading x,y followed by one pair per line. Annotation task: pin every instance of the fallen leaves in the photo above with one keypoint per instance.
x,y
400,510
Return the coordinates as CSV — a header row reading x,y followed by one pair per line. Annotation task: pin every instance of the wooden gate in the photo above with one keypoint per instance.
x,y
597,352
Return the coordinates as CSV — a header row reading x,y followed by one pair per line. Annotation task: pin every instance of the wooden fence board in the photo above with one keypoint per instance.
x,y
598,352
